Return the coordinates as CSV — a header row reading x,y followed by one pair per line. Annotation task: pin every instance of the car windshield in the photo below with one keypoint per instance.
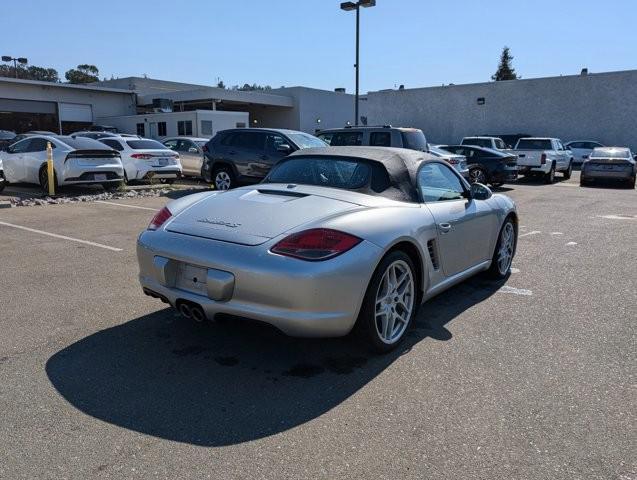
x,y
303,140
145,144
323,171
414,140
610,153
534,144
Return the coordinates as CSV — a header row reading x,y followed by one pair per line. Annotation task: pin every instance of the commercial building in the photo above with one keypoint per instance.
x,y
58,107
596,106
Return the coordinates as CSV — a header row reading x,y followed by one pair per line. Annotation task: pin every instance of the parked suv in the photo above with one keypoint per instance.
x,y
246,155
384,136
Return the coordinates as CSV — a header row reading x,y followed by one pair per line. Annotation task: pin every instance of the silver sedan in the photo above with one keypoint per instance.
x,y
334,240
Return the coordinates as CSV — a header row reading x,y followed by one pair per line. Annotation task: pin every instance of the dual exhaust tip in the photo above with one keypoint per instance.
x,y
191,311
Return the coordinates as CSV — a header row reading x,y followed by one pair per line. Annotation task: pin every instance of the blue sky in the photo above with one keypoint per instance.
x,y
311,42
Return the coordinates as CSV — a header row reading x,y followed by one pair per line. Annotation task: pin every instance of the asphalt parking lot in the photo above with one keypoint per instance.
x,y
532,379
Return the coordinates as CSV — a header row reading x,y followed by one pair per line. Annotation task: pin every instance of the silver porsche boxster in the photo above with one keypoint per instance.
x,y
334,239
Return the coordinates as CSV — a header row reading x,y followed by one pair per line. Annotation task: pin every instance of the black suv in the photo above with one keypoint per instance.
x,y
246,155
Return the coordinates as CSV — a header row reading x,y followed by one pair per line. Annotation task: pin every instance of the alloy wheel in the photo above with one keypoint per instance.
x,y
394,302
222,180
505,254
477,176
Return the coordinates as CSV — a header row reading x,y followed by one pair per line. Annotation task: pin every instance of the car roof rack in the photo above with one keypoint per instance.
x,y
368,126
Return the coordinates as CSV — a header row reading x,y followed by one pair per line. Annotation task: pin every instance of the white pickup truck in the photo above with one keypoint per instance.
x,y
545,156
493,143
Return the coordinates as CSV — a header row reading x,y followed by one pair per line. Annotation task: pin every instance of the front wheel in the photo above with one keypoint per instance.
x,y
504,251
569,171
390,303
223,178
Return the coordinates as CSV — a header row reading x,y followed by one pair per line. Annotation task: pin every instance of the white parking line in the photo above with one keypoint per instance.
x,y
515,291
557,233
127,206
571,243
63,237
534,232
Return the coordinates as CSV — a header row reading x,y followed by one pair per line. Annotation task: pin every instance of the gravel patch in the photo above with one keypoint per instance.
x,y
32,202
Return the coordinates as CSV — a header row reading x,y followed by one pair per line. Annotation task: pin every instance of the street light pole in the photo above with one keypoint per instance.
x,y
358,23
21,60
348,6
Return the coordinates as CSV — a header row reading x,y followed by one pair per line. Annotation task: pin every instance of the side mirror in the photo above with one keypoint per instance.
x,y
480,192
284,147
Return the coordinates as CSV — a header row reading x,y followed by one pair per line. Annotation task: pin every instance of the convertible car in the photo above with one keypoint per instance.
x,y
334,239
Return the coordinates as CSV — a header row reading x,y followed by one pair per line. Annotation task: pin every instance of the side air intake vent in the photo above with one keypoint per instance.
x,y
433,254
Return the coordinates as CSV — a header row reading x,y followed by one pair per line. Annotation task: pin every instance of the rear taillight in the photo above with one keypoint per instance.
x,y
543,159
142,156
159,219
205,149
316,244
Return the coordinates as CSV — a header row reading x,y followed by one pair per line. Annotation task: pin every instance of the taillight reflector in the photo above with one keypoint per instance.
x,y
543,159
316,244
160,218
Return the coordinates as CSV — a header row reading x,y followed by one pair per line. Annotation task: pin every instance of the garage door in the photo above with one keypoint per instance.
x,y
75,112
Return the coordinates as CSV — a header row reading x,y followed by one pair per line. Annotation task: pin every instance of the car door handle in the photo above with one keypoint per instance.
x,y
445,227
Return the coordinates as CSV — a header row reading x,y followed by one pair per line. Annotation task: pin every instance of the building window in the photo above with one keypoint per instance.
x,y
241,124
141,131
184,127
161,129
206,127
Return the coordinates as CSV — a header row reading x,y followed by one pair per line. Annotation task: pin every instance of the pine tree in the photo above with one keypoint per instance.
x,y
505,68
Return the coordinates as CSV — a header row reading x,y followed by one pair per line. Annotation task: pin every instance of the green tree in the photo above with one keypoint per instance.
x,y
220,84
31,72
251,88
42,74
83,74
505,69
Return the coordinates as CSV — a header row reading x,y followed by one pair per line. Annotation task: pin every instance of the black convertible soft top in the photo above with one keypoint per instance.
x,y
401,165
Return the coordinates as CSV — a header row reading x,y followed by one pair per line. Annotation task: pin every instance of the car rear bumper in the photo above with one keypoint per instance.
x,y
508,174
524,169
97,174
306,299
610,174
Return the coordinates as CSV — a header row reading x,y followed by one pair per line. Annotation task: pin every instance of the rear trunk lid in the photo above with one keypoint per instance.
x,y
92,158
254,216
529,158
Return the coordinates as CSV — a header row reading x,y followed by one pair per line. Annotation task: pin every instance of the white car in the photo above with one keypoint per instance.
x,y
75,161
145,159
459,162
190,150
3,182
543,155
494,143
582,149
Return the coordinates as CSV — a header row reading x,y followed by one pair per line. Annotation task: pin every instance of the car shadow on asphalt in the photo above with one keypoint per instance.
x,y
231,382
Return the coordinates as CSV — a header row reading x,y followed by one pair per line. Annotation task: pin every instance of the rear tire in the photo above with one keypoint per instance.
x,y
504,251
477,175
44,180
223,178
631,184
390,303
550,176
